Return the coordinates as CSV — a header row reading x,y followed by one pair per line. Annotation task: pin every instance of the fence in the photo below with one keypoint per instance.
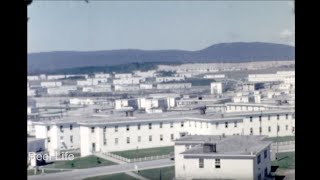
x,y
150,158
283,143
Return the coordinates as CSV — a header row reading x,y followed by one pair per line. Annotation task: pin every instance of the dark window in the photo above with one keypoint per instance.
x,y
61,128
269,117
251,131
71,127
48,128
259,159
265,153
278,128
171,125
217,125
226,124
160,124
218,165
182,124
116,129
172,136
150,138
128,140
150,125
104,141
286,116
235,124
71,139
105,129
92,129
278,117
260,130
265,171
269,129
161,137
128,127
250,118
260,118
49,140
259,177
201,163
138,126
286,127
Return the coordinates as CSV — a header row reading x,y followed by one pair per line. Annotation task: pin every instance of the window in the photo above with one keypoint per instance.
x,y
226,124
269,129
269,117
259,177
286,116
260,118
71,127
259,159
182,124
116,129
49,140
128,140
105,129
160,124
292,129
235,124
128,127
278,116
139,127
251,131
92,129
265,153
116,141
48,128
207,125
71,139
266,172
250,118
139,138
278,128
172,136
201,163
61,137
218,165
104,141
260,130
171,124
161,137
150,125
61,128
286,127
150,138
217,125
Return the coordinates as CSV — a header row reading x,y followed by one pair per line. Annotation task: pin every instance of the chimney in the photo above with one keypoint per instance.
x,y
209,147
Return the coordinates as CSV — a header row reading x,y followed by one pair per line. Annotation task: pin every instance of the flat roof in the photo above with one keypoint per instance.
x,y
225,146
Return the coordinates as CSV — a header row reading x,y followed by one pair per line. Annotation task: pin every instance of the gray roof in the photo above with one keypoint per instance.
x,y
225,146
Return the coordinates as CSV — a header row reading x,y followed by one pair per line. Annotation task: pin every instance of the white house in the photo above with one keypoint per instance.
x,y
168,79
216,88
222,157
50,84
123,75
174,86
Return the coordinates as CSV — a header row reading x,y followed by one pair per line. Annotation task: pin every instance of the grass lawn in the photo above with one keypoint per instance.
x,y
167,173
81,163
120,176
286,160
145,152
281,139
31,171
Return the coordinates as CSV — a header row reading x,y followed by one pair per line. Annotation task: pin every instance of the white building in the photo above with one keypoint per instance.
x,y
62,90
168,79
131,80
240,99
126,87
148,131
146,86
102,75
216,88
55,77
279,76
174,86
145,74
123,75
100,88
77,101
214,76
124,103
60,135
50,84
33,78
222,157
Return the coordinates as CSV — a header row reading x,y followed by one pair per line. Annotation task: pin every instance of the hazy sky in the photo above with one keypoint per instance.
x,y
187,25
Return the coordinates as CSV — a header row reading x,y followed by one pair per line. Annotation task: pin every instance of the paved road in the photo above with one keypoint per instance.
x,y
79,174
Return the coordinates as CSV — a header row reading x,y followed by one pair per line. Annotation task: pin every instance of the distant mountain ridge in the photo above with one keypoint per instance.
x,y
222,53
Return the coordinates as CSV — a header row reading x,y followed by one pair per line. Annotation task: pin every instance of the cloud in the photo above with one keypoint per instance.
x,y
287,36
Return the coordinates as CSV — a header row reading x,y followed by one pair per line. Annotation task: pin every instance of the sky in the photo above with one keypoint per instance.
x,y
72,25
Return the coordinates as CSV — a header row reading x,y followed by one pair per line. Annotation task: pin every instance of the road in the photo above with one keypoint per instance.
x,y
79,174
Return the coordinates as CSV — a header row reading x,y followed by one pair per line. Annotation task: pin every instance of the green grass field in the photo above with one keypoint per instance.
x,y
120,176
281,139
285,160
131,154
31,171
81,163
167,173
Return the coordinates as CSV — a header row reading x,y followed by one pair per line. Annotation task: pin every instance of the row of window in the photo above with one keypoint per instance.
x,y
265,154
61,138
269,117
116,140
217,163
61,128
116,128
269,129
